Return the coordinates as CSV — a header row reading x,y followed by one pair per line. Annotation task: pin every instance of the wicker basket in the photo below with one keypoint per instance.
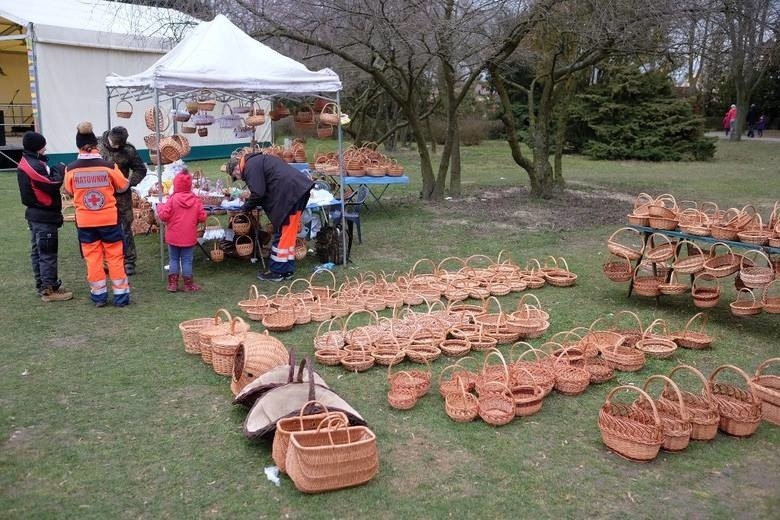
x,y
655,345
312,414
756,276
244,245
659,253
722,265
217,328
156,120
702,409
281,320
528,395
124,109
673,287
540,368
216,254
241,224
771,301
740,409
461,406
767,388
628,430
224,348
693,339
675,419
639,215
418,381
616,269
257,354
743,306
646,280
705,296
624,359
496,408
189,332
691,264
632,251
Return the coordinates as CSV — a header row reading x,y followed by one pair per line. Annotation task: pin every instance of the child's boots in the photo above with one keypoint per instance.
x,y
173,282
190,285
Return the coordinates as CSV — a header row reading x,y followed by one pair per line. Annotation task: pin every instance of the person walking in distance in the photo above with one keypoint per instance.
x,y
282,192
729,119
94,182
115,148
39,187
181,212
752,120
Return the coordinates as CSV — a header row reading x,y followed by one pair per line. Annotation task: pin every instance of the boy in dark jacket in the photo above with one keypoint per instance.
x,y
39,187
115,148
282,192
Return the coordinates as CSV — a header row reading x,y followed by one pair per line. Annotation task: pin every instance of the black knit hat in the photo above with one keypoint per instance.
x,y
33,142
118,136
85,136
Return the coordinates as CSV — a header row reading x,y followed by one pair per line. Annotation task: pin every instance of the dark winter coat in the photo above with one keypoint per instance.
x,y
129,163
39,187
276,186
753,115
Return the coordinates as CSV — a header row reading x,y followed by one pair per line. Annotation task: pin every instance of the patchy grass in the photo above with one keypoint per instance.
x,y
102,413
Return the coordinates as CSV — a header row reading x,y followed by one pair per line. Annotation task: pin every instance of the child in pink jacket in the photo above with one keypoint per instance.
x,y
181,212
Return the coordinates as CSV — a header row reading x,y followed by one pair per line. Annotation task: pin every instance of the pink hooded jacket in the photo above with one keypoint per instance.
x,y
182,212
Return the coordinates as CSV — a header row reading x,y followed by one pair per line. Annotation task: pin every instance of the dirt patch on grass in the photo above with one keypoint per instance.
x,y
18,439
513,208
68,341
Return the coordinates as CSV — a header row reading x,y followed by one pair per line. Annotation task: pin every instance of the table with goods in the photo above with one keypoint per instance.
x,y
666,250
446,330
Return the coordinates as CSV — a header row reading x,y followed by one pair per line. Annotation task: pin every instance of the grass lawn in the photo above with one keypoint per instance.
x,y
103,414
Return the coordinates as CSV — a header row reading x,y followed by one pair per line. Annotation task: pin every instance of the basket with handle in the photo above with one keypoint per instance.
x,y
189,332
229,119
640,213
332,457
569,379
309,418
329,114
675,420
357,360
323,292
740,409
461,406
539,368
245,246
256,116
223,348
241,224
418,381
659,253
674,286
632,251
702,409
216,254
664,206
616,269
124,109
630,334
746,303
656,345
624,359
496,408
455,374
770,300
690,264
705,291
257,354
401,397
156,119
693,339
281,320
205,100
628,430
646,281
755,232
756,276
217,328
527,394
767,388
561,276
694,222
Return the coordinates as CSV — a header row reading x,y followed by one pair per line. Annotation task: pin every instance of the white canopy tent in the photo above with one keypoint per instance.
x,y
56,53
220,58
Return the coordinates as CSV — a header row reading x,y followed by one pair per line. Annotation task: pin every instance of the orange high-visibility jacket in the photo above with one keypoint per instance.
x,y
93,184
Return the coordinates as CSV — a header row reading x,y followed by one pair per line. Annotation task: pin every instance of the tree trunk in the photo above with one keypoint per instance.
x,y
743,100
540,131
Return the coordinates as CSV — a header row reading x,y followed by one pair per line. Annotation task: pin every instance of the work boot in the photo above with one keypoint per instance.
x,y
173,282
55,295
129,269
190,285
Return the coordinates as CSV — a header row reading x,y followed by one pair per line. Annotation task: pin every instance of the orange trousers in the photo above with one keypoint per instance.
x,y
95,253
283,251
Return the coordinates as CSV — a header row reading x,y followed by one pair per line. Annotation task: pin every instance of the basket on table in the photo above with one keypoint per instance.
x,y
309,418
621,245
659,346
725,228
756,276
771,301
694,222
705,291
701,408
461,406
690,264
661,252
639,215
739,409
224,347
334,456
218,327
693,339
663,206
722,265
675,420
767,388
744,306
616,269
628,430
755,232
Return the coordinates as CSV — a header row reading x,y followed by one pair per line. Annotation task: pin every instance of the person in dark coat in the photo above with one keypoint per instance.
x,y
282,192
39,187
115,148
752,120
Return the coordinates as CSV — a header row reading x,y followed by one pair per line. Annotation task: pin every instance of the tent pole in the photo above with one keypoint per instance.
x,y
341,184
108,108
159,178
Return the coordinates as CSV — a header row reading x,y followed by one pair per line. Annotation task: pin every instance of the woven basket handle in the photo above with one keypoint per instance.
x,y
496,352
745,290
333,277
714,250
648,331
514,346
537,388
223,312
536,352
643,199
710,209
562,260
619,314
523,299
312,404
642,393
706,388
740,372
669,383
704,318
302,280
500,253
758,253
666,200
765,364
766,289
236,319
678,248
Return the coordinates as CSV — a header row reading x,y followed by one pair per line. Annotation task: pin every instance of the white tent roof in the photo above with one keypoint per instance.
x,y
98,23
219,55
